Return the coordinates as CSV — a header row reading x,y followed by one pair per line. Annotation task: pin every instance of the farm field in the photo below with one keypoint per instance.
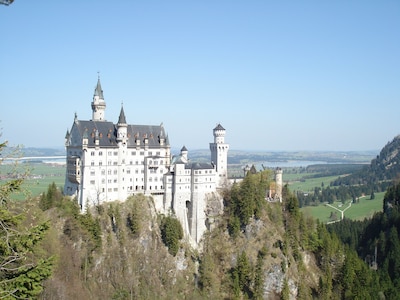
x,y
309,184
41,175
365,208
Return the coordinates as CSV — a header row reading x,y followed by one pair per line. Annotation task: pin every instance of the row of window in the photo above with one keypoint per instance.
x,y
196,187
205,172
115,180
131,188
133,153
115,171
115,163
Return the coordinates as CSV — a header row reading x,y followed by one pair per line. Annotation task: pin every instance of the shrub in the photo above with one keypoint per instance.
x,y
171,233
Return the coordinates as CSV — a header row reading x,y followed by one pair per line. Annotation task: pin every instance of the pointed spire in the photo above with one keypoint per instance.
x,y
98,91
122,119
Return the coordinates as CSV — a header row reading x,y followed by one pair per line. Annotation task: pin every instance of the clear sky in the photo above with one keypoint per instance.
x,y
278,75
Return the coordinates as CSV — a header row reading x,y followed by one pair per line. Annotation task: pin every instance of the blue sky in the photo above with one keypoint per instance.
x,y
278,75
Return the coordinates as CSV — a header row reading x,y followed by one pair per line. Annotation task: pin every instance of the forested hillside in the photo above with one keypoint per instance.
x,y
358,181
377,241
383,169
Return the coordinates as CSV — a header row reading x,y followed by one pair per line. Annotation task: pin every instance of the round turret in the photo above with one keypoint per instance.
x,y
219,134
98,104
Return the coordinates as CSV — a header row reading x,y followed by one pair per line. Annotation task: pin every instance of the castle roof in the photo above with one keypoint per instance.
x,y
122,119
106,133
198,166
219,127
98,91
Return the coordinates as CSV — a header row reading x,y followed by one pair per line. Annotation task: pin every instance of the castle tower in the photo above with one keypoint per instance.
x,y
219,154
278,184
98,103
122,127
122,139
184,154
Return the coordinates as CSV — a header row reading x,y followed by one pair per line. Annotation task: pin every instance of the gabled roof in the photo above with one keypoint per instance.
x,y
106,133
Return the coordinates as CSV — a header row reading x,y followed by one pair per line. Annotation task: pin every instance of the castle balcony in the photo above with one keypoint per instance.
x,y
73,169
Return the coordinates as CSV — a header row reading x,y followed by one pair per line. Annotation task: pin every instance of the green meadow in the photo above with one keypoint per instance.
x,y
40,176
308,184
365,208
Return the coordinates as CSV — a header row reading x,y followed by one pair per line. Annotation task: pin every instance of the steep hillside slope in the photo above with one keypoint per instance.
x,y
117,252
385,167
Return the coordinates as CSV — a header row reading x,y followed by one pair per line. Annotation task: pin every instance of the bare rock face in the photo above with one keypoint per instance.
x,y
214,208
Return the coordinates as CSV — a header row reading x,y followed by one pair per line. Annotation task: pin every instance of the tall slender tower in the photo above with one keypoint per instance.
x,y
219,153
279,184
98,103
122,140
122,128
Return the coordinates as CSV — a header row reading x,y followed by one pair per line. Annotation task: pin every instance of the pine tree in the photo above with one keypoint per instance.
x,y
21,273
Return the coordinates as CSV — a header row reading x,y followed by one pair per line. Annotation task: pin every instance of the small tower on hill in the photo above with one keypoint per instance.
x,y
219,153
278,184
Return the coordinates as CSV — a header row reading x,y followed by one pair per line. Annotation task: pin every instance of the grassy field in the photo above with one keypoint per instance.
x,y
364,209
310,183
40,177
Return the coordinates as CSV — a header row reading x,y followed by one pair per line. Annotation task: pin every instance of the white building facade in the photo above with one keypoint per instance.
x,y
108,162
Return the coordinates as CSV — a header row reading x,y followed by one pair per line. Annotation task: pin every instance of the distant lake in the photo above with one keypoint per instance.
x,y
290,163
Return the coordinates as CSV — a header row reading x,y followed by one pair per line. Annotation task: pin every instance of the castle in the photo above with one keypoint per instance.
x,y
107,162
